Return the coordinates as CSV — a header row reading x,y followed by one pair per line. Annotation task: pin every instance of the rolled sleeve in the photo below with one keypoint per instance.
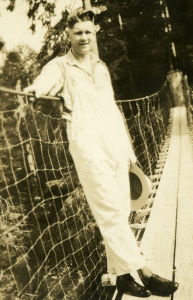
x,y
50,81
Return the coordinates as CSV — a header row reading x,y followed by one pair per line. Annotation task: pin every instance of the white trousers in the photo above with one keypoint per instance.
x,y
105,182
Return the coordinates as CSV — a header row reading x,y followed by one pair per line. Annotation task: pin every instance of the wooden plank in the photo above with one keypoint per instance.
x,y
158,240
184,238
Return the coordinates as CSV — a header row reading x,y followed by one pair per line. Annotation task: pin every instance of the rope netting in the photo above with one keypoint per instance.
x,y
189,109
188,100
51,247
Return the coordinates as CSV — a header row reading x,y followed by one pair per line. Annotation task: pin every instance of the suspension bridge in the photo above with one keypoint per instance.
x,y
51,248
167,240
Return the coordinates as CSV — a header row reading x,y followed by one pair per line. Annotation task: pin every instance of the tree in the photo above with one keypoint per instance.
x,y
135,45
132,41
181,18
19,65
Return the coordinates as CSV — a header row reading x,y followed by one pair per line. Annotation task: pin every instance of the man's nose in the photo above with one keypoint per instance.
x,y
83,36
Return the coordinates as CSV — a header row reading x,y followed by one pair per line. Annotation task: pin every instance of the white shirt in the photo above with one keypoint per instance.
x,y
88,96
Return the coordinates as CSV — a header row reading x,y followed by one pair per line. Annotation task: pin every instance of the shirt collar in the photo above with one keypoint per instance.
x,y
71,60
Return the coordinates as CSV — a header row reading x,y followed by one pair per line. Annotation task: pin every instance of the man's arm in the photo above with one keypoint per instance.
x,y
49,82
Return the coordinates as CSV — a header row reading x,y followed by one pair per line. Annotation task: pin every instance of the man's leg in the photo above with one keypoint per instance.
x,y
110,207
109,203
106,188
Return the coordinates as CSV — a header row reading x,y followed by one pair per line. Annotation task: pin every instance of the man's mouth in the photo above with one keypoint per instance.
x,y
84,44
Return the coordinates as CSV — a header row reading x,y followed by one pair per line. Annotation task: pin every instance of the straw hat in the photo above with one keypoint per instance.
x,y
140,186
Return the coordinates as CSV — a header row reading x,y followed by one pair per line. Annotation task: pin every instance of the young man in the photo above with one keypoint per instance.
x,y
101,150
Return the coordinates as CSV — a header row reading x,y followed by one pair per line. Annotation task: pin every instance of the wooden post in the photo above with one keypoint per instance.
x,y
87,5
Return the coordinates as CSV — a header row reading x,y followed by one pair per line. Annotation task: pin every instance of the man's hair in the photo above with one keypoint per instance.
x,y
79,15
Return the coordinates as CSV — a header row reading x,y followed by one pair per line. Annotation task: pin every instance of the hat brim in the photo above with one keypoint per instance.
x,y
140,187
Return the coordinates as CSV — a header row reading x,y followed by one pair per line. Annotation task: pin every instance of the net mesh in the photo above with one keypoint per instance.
x,y
51,247
188,99
189,107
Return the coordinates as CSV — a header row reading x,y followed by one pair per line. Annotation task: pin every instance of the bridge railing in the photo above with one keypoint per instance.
x,y
51,247
188,99
147,120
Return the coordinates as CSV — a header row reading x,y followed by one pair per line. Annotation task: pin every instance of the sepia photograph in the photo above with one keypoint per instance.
x,y
96,149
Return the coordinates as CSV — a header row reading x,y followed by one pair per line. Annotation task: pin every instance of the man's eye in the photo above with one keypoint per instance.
x,y
81,32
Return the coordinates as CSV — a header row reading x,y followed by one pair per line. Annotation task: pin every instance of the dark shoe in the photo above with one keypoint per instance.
x,y
160,286
127,285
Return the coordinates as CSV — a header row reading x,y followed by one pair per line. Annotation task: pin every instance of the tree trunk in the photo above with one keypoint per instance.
x,y
87,5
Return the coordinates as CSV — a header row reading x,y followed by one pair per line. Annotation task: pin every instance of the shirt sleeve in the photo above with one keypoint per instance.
x,y
50,81
108,79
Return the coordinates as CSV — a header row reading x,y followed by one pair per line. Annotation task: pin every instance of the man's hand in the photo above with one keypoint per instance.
x,y
30,90
132,162
133,159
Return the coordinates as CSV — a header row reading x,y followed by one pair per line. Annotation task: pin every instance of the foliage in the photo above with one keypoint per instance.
x,y
132,41
19,65
42,223
2,43
55,42
139,43
12,239
37,9
181,16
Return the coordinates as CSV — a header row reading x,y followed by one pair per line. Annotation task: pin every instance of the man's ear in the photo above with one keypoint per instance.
x,y
97,28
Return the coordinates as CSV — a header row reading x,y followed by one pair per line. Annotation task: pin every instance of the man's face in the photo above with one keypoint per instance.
x,y
81,37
